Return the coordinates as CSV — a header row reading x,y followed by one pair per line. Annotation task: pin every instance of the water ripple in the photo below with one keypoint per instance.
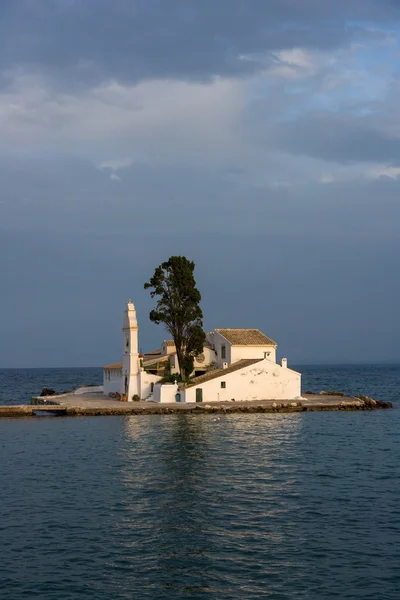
x,y
250,506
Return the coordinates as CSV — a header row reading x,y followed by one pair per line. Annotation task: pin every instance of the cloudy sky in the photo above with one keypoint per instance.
x,y
260,138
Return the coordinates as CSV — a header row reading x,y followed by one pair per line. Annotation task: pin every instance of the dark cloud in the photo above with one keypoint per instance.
x,y
338,137
309,264
86,41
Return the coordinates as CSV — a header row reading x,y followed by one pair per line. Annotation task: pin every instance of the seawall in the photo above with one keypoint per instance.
x,y
100,406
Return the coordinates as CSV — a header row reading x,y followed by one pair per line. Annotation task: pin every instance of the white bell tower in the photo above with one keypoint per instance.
x,y
130,360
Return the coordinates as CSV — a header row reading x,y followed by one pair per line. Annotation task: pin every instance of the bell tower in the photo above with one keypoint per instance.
x,y
130,353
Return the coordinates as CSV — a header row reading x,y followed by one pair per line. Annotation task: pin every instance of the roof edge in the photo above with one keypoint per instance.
x,y
218,330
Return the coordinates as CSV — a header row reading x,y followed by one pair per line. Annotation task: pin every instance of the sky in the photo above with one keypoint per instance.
x,y
259,139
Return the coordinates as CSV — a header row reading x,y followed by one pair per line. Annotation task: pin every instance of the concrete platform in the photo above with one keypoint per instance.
x,y
95,404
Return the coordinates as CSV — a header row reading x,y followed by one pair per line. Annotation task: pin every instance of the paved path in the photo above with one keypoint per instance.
x,y
98,402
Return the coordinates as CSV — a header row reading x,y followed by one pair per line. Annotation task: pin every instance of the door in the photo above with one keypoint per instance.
x,y
178,397
199,395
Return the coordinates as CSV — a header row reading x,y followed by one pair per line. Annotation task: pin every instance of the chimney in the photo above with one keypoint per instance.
x,y
284,363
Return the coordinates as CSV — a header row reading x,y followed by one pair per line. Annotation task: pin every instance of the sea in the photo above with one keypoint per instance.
x,y
206,507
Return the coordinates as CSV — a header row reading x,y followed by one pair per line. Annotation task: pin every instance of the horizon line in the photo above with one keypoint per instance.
x,y
294,363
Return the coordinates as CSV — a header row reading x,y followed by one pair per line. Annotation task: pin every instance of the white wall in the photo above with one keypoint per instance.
x,y
218,340
240,352
174,363
209,357
167,348
112,381
235,353
146,379
165,392
261,381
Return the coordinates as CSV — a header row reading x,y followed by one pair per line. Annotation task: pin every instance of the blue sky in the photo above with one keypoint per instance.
x,y
260,139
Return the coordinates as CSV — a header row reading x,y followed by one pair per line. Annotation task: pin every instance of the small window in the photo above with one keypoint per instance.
x,y
223,351
223,384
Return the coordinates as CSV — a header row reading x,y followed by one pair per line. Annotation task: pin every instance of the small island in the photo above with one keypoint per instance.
x,y
226,370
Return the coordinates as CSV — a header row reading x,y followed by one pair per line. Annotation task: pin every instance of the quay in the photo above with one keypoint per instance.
x,y
95,404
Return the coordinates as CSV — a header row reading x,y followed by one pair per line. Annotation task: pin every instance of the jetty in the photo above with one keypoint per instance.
x,y
96,404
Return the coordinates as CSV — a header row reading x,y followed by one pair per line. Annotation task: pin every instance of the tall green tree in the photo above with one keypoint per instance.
x,y
178,307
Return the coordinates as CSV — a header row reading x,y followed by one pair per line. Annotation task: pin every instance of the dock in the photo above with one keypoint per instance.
x,y
95,404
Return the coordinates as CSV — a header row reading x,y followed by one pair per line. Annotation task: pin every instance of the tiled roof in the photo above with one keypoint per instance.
x,y
117,365
246,337
240,364
169,342
152,360
153,352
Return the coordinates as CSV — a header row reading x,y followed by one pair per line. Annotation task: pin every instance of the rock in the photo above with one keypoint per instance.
x,y
48,392
382,404
352,404
274,405
368,402
293,404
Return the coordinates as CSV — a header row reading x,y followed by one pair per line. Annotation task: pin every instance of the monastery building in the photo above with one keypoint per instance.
x,y
236,364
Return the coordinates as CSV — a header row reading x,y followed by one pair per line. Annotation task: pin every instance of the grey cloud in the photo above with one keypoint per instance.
x,y
86,41
46,196
319,258
338,137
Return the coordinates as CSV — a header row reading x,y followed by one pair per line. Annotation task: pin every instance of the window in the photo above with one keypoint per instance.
x,y
223,351
223,384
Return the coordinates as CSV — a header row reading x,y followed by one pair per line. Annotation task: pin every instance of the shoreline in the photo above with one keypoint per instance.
x,y
96,405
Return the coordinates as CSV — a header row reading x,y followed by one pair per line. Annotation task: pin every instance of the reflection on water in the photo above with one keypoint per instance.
x,y
207,498
172,510
187,506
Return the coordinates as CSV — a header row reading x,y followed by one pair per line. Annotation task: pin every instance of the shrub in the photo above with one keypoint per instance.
x,y
212,366
171,378
135,398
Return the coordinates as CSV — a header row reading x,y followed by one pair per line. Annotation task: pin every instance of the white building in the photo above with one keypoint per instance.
x,y
236,364
128,379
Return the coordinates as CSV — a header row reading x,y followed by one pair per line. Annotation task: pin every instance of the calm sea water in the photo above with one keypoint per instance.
x,y
303,506
382,382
